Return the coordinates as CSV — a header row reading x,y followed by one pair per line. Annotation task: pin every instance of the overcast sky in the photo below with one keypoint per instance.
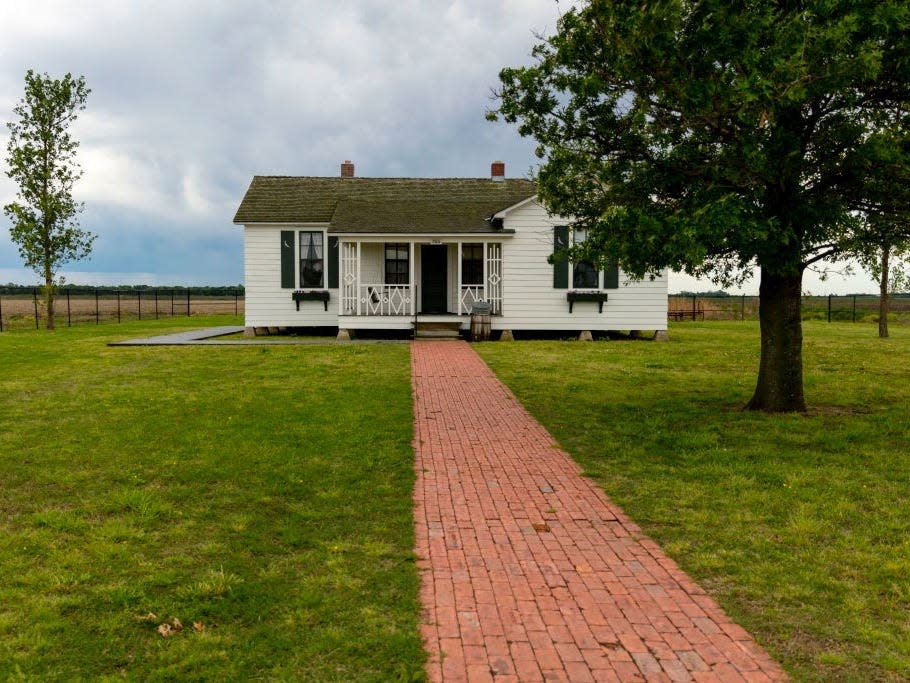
x,y
191,99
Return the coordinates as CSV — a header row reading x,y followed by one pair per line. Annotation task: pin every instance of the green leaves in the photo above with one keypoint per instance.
x,y
698,134
42,162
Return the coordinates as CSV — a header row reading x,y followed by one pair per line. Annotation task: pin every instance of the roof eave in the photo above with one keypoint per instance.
x,y
523,202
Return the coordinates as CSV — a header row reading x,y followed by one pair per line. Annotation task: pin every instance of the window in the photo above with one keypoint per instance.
x,y
396,264
311,259
584,274
472,264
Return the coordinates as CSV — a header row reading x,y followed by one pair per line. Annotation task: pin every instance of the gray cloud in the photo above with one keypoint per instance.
x,y
189,100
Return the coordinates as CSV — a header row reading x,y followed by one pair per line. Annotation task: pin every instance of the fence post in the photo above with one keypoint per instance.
x,y
236,295
35,297
693,308
1,314
118,305
69,320
97,317
172,303
742,308
139,295
829,308
156,303
854,308
187,302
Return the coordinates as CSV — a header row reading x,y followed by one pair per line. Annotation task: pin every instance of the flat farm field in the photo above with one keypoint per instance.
x,y
18,310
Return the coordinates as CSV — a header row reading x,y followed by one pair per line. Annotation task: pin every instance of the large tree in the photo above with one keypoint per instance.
x,y
712,136
42,162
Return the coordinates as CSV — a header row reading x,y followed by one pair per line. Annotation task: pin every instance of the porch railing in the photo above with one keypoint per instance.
x,y
470,294
379,299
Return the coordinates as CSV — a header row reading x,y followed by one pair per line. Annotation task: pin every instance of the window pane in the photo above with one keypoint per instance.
x,y
396,264
584,276
472,264
311,259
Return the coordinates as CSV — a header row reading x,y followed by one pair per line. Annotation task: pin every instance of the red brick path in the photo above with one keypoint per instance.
x,y
529,572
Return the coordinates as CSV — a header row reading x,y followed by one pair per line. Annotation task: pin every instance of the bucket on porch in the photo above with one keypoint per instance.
x,y
481,321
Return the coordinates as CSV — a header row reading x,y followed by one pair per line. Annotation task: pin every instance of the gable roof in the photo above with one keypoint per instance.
x,y
380,205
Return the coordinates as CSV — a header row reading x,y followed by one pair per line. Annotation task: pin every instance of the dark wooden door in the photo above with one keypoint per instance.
x,y
433,276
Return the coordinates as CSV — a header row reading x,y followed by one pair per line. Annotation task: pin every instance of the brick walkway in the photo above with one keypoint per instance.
x,y
530,573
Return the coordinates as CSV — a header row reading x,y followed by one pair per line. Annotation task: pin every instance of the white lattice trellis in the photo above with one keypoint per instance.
x,y
494,276
349,269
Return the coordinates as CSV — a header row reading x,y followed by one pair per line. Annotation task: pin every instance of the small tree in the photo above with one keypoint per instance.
x,y
881,243
42,162
885,255
712,136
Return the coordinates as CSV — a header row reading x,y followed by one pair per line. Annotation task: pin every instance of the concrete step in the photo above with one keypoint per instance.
x,y
436,334
434,325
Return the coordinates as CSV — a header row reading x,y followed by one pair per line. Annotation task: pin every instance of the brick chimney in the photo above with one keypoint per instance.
x,y
347,169
498,170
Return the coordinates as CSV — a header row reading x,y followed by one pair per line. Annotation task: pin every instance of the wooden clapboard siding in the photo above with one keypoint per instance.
x,y
372,263
267,304
530,302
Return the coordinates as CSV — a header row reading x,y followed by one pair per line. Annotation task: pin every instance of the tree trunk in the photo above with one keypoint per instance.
x,y
883,293
49,299
780,373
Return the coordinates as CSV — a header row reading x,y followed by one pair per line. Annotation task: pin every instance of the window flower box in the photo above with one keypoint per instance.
x,y
598,297
311,295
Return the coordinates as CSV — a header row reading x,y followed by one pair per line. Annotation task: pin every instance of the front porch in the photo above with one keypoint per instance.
x,y
399,322
386,283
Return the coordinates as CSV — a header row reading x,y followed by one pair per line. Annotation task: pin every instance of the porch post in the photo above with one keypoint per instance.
x,y
486,269
341,274
458,301
413,284
357,292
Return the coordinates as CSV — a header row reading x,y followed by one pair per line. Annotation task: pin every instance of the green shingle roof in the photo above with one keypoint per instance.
x,y
373,205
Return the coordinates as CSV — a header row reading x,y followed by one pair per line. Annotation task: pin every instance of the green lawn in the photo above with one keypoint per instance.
x,y
798,525
261,493
265,494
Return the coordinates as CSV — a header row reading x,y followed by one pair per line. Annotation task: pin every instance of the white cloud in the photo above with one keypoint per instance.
x,y
838,281
189,100
114,176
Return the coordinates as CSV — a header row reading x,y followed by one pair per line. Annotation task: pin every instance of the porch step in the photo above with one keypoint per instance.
x,y
437,330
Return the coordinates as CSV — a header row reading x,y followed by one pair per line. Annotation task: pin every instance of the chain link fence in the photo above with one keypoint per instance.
x,y
23,307
844,308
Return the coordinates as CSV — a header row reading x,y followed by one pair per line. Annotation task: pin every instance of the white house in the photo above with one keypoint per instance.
x,y
398,253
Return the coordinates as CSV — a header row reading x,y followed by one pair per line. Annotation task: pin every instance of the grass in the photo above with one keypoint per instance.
x,y
798,525
260,496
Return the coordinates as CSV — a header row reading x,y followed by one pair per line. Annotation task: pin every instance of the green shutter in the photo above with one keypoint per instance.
x,y
560,263
332,264
611,276
287,259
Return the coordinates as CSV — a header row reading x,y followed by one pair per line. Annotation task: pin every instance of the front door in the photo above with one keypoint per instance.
x,y
433,275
